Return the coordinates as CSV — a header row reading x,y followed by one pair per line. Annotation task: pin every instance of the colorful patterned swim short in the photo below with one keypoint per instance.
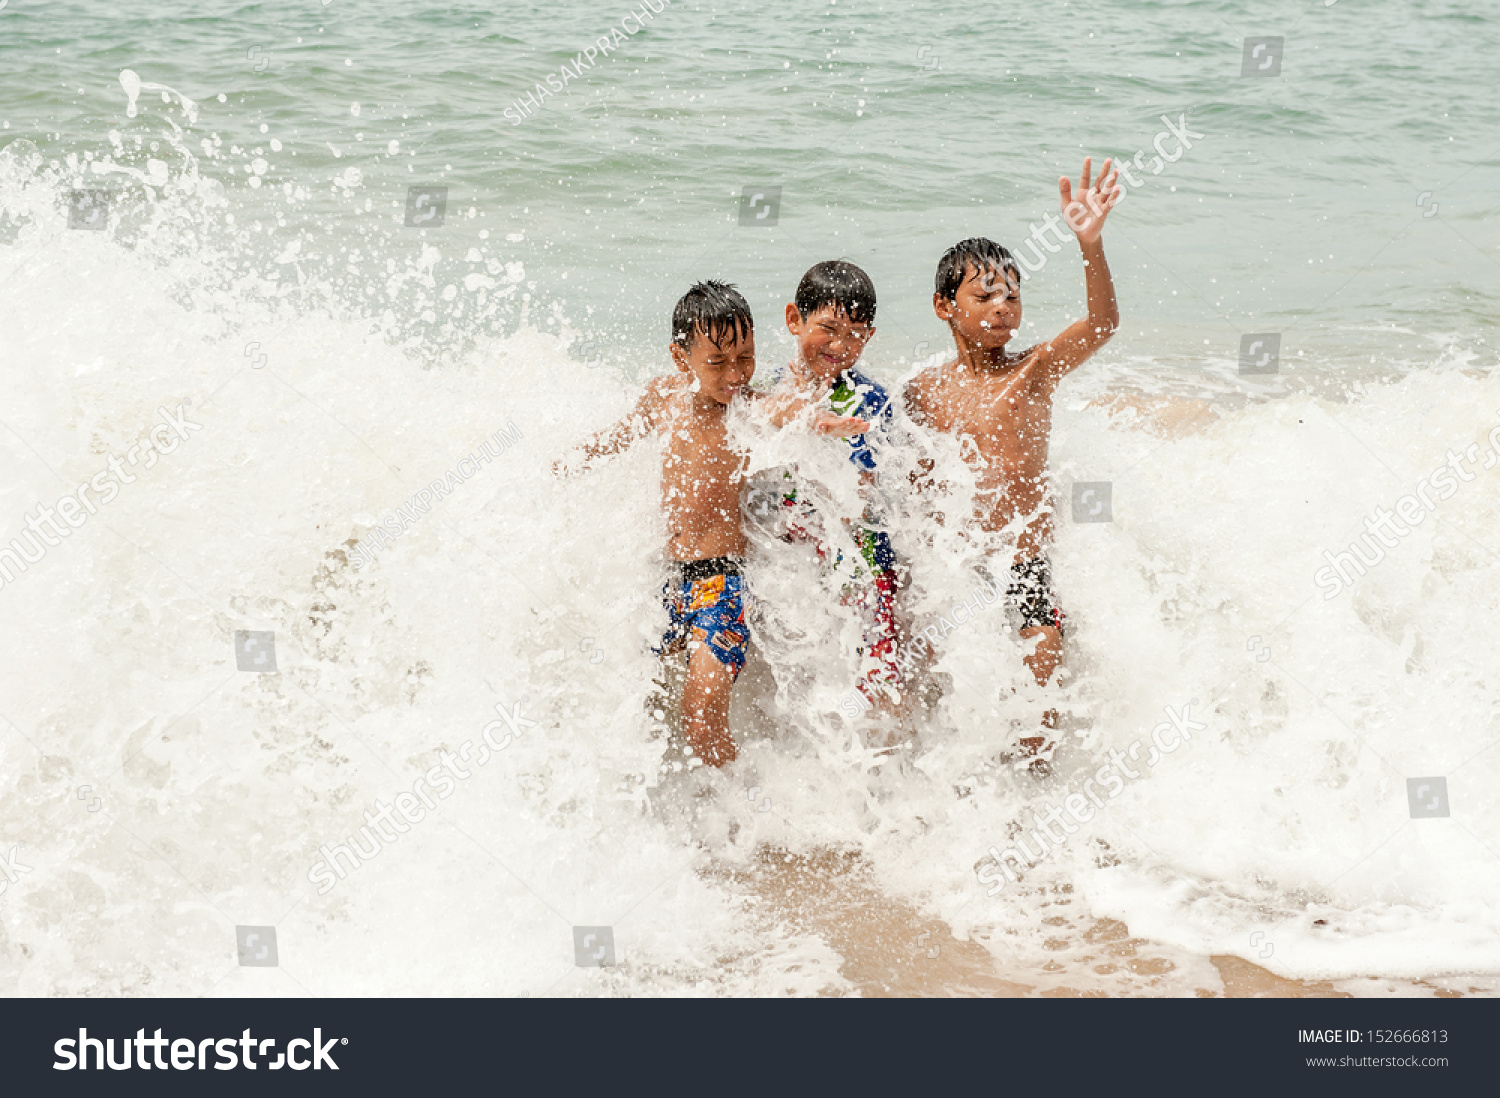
x,y
708,609
879,671
870,585
1028,590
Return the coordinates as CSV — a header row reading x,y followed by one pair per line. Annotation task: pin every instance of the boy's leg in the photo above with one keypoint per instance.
x,y
1043,659
1030,592
1046,655
705,707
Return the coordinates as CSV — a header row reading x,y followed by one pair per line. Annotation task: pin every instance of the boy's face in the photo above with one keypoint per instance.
x,y
986,311
720,369
828,342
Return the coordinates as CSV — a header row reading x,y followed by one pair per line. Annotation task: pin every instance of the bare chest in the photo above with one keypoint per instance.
x,y
697,455
998,414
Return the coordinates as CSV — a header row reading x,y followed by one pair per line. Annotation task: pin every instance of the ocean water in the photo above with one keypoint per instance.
x,y
1335,815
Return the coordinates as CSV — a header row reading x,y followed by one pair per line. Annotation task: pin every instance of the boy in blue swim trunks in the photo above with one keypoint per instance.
x,y
713,350
832,318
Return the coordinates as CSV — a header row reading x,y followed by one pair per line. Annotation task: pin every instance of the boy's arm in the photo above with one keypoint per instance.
x,y
785,404
1085,215
641,421
922,479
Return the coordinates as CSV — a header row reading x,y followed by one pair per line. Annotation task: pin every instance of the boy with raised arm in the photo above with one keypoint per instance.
x,y
1000,401
713,350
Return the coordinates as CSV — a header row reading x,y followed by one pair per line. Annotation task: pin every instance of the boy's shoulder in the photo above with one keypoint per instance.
x,y
1022,363
925,382
661,399
660,390
928,374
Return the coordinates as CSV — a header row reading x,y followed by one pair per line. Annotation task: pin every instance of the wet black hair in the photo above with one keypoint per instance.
x,y
714,308
985,256
840,284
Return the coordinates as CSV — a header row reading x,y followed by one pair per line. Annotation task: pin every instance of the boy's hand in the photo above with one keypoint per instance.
x,y
1085,215
1086,212
826,423
789,405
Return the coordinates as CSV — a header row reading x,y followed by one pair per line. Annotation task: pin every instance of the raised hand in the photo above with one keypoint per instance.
x,y
1086,211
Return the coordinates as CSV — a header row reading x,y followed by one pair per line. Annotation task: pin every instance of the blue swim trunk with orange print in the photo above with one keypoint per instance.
x,y
706,605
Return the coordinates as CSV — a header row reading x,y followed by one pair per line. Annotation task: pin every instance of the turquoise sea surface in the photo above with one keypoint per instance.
x,y
1348,200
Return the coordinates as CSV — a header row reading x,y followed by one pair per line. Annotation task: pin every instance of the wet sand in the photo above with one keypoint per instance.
x,y
890,949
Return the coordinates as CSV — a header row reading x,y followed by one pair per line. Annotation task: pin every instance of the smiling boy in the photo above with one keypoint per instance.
x,y
999,402
713,350
832,318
